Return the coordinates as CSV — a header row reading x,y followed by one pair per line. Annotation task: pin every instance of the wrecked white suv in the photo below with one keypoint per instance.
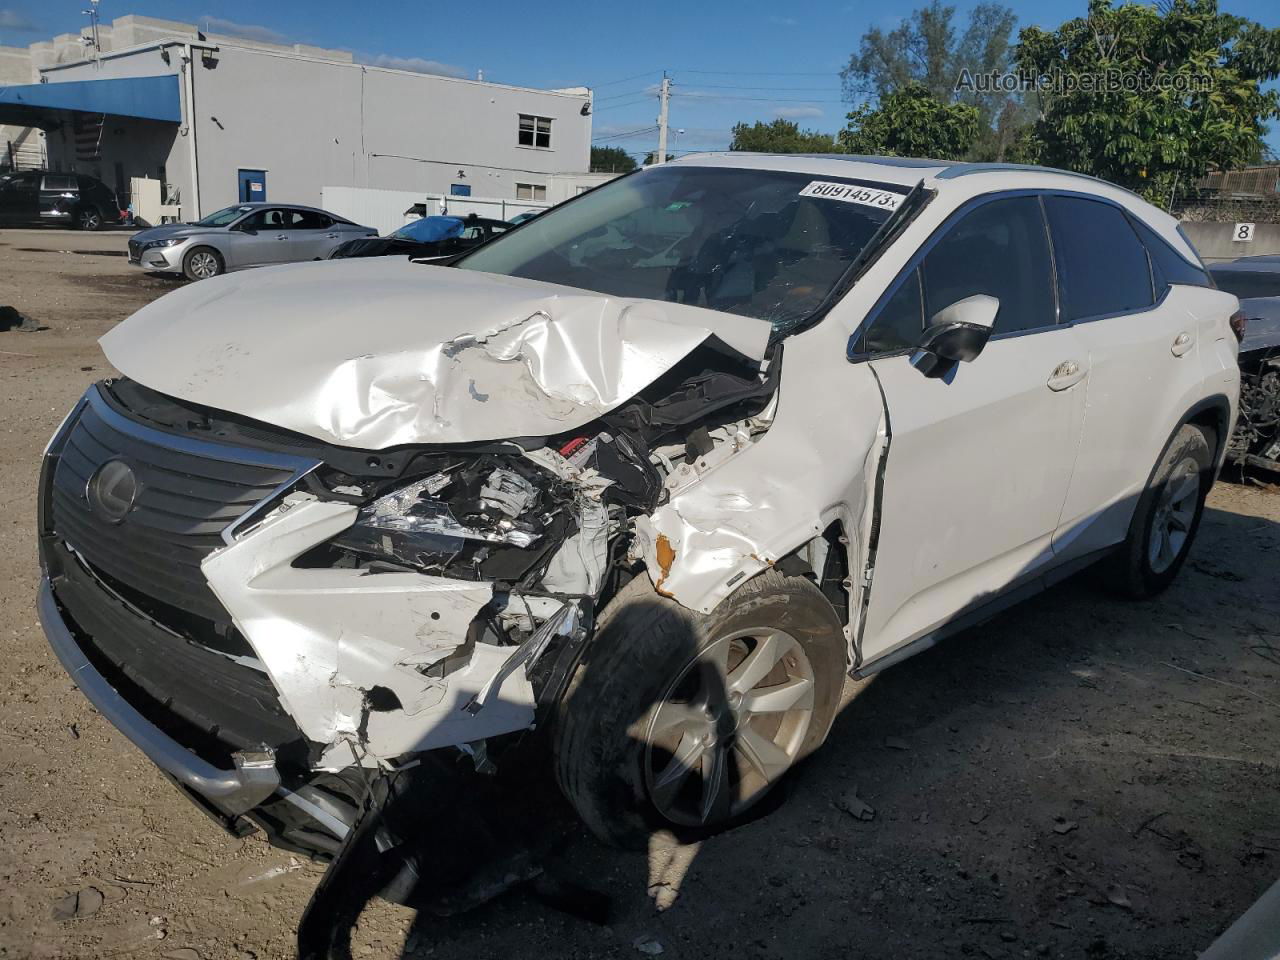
x,y
652,474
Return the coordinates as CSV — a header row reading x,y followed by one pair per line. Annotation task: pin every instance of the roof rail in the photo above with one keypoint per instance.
x,y
964,169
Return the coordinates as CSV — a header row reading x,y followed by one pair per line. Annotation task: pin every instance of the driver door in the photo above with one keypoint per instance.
x,y
980,461
260,238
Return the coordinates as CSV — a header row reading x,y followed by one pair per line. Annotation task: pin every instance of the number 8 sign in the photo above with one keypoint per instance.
x,y
1243,233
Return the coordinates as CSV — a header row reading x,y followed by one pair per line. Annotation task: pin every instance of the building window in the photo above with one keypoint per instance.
x,y
535,131
459,189
530,191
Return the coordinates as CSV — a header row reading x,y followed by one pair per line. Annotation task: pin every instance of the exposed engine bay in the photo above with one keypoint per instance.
x,y
515,544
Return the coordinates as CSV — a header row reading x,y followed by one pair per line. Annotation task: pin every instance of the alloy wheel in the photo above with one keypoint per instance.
x,y
203,264
90,220
1174,513
729,727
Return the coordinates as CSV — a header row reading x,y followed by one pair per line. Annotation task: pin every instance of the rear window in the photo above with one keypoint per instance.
x,y
1102,267
1167,265
1247,282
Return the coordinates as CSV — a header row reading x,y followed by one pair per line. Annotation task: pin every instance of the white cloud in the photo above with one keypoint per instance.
x,y
797,113
245,31
16,21
414,64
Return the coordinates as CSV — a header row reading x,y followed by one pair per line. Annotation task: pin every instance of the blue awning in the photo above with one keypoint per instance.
x,y
152,98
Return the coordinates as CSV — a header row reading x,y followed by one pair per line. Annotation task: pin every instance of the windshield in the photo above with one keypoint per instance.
x,y
429,229
759,243
223,217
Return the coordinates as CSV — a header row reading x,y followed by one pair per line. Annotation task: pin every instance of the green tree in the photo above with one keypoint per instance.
x,y
611,160
910,122
1196,99
780,136
929,50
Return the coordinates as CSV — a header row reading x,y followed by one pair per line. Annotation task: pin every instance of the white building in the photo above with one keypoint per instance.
x,y
222,119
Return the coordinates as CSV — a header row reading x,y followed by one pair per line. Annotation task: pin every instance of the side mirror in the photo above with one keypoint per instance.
x,y
955,333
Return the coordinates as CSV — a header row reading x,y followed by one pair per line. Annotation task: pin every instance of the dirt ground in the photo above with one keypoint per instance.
x,y
1079,778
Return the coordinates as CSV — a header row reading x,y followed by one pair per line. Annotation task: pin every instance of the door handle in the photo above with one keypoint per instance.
x,y
282,236
331,236
1182,343
1066,374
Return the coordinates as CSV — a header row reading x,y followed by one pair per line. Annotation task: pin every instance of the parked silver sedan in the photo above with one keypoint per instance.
x,y
240,236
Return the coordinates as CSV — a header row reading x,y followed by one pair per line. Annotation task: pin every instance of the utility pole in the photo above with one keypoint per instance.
x,y
664,99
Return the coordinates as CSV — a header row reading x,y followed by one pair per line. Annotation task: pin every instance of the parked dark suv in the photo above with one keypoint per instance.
x,y
41,196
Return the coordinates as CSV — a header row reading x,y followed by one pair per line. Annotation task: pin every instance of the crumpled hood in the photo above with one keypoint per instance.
x,y
381,352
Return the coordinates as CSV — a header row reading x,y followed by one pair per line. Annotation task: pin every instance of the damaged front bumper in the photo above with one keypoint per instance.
x,y
267,691
251,781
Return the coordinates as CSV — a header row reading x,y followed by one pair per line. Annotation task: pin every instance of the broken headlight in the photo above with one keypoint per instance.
x,y
492,518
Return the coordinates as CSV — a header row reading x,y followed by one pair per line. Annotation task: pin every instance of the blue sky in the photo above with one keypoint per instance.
x,y
744,60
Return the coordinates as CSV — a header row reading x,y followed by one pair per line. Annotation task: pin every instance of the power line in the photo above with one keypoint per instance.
x,y
629,133
695,96
611,83
734,86
758,73
629,103
619,96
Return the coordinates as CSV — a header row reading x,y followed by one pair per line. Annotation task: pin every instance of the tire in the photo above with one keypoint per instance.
x,y
201,263
1166,518
88,218
632,727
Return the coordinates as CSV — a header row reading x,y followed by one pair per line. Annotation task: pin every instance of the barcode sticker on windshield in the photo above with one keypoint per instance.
x,y
852,193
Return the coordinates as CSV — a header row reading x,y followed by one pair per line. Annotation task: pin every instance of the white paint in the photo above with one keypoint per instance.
x,y
1242,233
327,637
445,355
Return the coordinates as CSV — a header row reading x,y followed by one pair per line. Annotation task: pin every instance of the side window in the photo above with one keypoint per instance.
x,y
900,321
265,220
999,249
1102,268
1167,265
59,184
306,220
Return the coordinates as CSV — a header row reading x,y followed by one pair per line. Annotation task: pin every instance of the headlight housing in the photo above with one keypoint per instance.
x,y
491,518
170,242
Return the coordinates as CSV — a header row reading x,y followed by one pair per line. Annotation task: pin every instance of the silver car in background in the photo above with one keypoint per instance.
x,y
240,236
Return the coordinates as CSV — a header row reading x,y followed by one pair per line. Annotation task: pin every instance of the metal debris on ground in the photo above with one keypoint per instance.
x,y
1117,897
648,945
855,806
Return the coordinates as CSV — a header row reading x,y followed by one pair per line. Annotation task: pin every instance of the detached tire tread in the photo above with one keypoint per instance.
x,y
642,640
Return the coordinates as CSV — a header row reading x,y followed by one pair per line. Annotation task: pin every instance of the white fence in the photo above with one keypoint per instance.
x,y
387,210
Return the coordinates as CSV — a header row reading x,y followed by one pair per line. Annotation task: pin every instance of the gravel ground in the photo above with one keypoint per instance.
x,y
1081,777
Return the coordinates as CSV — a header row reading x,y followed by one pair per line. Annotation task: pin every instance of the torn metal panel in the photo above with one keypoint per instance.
x,y
769,495
347,650
452,355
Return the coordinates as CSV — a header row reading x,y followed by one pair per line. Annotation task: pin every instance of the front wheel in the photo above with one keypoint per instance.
x,y
685,721
202,263
1166,518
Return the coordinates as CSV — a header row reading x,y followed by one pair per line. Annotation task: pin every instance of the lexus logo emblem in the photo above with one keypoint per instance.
x,y
112,490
